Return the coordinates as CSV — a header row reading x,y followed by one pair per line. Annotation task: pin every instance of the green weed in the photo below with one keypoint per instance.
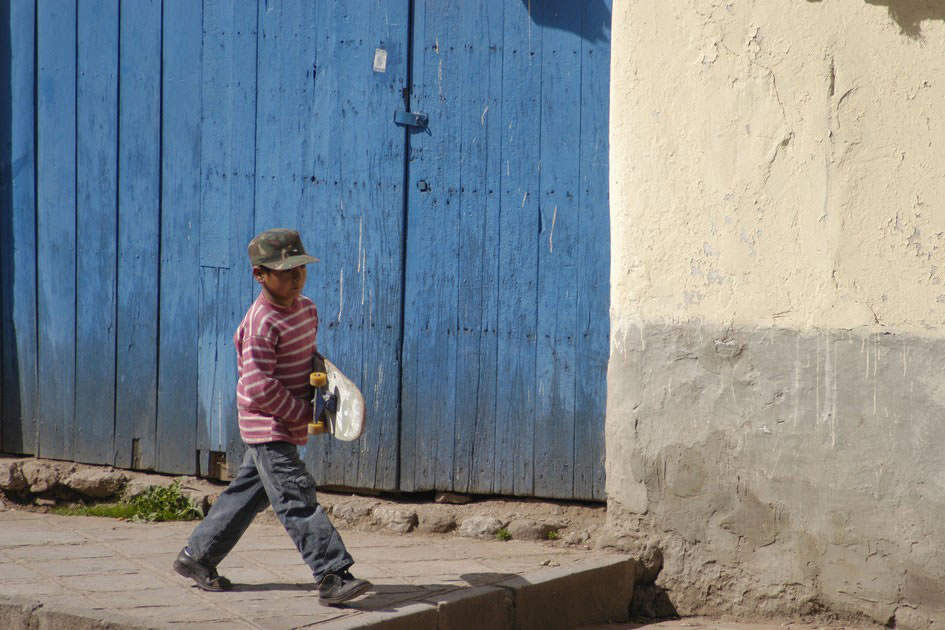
x,y
503,534
157,503
552,535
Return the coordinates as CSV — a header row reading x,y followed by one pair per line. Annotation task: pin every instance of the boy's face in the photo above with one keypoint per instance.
x,y
281,287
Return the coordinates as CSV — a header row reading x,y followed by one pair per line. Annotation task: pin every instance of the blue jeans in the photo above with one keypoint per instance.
x,y
271,473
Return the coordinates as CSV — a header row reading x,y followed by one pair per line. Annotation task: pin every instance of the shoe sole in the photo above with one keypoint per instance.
x,y
334,601
185,572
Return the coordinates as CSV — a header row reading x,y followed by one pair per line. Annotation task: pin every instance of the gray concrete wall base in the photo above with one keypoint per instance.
x,y
781,472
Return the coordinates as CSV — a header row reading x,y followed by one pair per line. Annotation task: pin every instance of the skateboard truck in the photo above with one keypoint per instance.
x,y
338,406
324,400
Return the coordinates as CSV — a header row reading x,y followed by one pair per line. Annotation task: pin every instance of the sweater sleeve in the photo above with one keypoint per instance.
x,y
264,391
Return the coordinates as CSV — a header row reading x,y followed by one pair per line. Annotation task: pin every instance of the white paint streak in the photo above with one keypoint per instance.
x,y
363,264
524,197
341,293
360,238
482,119
551,236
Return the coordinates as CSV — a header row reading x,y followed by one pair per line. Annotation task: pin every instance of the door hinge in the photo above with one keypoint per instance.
x,y
411,119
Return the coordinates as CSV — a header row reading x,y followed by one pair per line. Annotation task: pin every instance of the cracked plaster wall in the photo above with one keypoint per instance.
x,y
778,227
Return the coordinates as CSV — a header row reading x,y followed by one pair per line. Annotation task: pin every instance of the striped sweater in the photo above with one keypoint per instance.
x,y
274,348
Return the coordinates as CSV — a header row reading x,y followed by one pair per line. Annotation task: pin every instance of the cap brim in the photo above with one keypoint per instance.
x,y
291,262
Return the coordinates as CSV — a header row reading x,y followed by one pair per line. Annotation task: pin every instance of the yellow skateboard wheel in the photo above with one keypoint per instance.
x,y
318,379
316,428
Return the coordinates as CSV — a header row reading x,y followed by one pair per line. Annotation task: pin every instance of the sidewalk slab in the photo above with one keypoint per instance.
x,y
86,572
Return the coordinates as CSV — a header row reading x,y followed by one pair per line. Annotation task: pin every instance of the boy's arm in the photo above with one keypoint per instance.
x,y
264,391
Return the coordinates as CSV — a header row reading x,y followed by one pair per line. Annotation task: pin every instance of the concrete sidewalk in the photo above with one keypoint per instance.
x,y
83,572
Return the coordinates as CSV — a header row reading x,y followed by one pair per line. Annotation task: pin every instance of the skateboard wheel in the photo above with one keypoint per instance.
x,y
317,428
318,379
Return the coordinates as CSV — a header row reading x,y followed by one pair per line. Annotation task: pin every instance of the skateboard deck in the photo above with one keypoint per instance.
x,y
339,405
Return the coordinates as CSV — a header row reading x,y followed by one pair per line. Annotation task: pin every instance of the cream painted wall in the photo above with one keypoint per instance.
x,y
779,163
778,206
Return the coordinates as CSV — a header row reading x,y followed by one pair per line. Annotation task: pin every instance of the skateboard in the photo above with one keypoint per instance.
x,y
339,405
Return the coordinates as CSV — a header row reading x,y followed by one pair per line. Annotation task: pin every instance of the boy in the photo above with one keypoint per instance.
x,y
275,344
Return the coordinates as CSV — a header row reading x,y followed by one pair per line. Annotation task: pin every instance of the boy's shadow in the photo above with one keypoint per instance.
x,y
391,597
272,586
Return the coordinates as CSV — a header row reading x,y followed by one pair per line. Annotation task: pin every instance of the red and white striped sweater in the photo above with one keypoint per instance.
x,y
274,348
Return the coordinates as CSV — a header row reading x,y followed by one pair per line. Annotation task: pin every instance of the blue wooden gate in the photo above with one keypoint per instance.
x,y
507,275
464,279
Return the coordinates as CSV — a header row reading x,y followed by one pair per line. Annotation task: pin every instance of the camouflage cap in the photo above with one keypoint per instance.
x,y
278,249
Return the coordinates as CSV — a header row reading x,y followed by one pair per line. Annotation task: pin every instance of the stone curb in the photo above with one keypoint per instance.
x,y
28,614
588,592
584,593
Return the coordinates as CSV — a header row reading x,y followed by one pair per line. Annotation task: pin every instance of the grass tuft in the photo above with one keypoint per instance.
x,y
503,534
157,503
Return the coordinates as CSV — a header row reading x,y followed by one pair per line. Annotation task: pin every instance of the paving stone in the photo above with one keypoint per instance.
x,y
86,566
418,580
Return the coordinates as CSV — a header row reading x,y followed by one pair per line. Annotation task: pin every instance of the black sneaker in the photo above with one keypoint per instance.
x,y
336,588
207,579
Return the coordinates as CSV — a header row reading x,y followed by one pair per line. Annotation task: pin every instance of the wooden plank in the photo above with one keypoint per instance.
x,y
285,107
18,212
356,225
430,309
96,226
226,220
479,157
593,275
180,230
139,166
56,203
558,249
518,253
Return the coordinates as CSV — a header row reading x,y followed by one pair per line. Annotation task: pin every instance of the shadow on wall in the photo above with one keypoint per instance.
x,y
7,374
594,25
909,14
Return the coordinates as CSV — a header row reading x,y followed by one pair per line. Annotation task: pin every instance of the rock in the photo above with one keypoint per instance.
x,y
44,502
3,507
11,476
453,498
576,538
95,483
651,563
202,498
480,527
400,521
40,476
352,511
140,483
437,523
524,529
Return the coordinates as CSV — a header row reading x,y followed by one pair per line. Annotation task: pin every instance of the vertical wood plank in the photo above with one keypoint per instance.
x,y
18,209
284,151
518,253
479,157
433,219
355,226
139,166
228,140
558,249
96,228
56,235
593,274
180,230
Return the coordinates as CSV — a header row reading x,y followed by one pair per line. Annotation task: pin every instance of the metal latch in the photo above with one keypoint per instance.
x,y
411,119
